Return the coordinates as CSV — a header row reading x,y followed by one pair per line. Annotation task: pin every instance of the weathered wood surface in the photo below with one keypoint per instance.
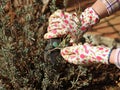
x,y
73,4
101,40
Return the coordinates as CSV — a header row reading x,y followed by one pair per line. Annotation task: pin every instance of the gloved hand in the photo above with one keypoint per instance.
x,y
86,54
63,23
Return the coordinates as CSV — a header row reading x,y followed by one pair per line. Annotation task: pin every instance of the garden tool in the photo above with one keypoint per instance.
x,y
51,54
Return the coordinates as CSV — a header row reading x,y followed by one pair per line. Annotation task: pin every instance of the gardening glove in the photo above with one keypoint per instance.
x,y
63,23
86,54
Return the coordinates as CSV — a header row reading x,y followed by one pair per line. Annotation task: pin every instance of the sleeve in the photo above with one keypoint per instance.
x,y
112,5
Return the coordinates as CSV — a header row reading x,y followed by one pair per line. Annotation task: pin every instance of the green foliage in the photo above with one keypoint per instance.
x,y
53,6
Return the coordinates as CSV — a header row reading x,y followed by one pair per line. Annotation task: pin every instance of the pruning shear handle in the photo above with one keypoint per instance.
x,y
51,54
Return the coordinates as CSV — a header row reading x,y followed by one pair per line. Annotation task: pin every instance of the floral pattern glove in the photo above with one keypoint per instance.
x,y
86,54
63,23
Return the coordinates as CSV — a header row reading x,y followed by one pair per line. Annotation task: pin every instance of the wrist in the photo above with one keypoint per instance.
x,y
115,57
100,8
112,55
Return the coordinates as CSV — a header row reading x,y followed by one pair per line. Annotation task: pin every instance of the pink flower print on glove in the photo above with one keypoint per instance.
x,y
63,23
60,23
86,54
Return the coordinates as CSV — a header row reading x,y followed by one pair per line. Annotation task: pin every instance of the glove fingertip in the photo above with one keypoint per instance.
x,y
62,52
50,35
47,36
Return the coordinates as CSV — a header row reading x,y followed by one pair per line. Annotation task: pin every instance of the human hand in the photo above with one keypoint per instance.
x,y
63,23
86,54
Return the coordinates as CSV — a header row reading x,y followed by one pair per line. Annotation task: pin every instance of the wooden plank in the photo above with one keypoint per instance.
x,y
73,4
